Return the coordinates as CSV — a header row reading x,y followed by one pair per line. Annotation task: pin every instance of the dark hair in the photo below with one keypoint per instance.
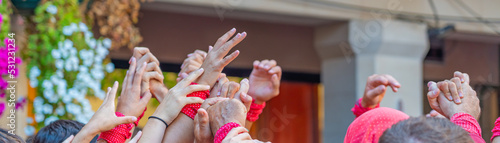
x,y
58,131
425,129
7,137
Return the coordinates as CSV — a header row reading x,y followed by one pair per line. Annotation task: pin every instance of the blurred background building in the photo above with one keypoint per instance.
x,y
327,49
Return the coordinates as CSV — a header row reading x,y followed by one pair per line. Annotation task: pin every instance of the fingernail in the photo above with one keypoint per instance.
x,y
109,88
127,71
460,94
457,100
244,33
130,60
245,80
133,59
449,97
238,35
234,29
116,82
218,94
145,64
201,69
189,55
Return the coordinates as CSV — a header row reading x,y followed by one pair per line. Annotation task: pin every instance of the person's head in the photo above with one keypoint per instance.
x,y
425,130
58,131
7,137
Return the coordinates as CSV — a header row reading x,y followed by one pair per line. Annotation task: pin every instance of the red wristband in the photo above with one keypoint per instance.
x,y
191,109
358,109
222,132
255,111
119,134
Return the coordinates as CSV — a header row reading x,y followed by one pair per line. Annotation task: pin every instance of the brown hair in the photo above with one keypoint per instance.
x,y
425,129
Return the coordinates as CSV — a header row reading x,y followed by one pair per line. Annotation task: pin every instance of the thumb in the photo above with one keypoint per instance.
x,y
192,100
126,120
202,118
247,100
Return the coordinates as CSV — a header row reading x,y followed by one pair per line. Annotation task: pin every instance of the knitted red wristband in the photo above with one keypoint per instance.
x,y
255,110
222,132
191,109
118,134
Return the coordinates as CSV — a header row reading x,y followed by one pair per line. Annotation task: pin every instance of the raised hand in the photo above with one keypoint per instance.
x,y
216,58
264,80
104,118
130,102
176,97
469,103
171,106
191,63
435,90
153,78
375,89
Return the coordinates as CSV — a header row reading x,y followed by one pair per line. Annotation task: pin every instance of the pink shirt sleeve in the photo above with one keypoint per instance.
x,y
470,124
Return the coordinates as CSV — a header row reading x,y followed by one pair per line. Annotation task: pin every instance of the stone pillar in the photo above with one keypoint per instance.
x,y
352,51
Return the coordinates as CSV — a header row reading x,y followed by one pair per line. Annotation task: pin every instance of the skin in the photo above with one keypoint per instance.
x,y
469,103
182,127
170,108
224,112
104,118
202,131
153,79
376,86
435,90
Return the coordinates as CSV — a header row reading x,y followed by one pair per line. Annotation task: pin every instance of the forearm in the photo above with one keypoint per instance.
x,y
85,135
248,124
181,130
153,131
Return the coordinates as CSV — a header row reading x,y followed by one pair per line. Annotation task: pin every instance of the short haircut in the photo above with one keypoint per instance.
x,y
58,131
6,137
425,130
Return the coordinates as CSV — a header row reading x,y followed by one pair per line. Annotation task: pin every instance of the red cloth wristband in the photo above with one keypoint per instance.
x,y
191,109
119,134
222,132
255,111
496,129
358,109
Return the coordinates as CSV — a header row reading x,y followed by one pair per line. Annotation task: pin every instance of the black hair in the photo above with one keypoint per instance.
x,y
58,131
7,137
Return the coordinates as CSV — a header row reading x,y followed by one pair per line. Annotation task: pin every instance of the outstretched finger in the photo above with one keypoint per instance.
x,y
138,75
191,77
228,59
223,39
124,120
229,45
146,96
131,72
459,75
243,88
110,98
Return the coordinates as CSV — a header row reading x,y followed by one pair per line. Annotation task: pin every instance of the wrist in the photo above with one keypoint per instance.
x,y
90,130
160,93
365,103
260,102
